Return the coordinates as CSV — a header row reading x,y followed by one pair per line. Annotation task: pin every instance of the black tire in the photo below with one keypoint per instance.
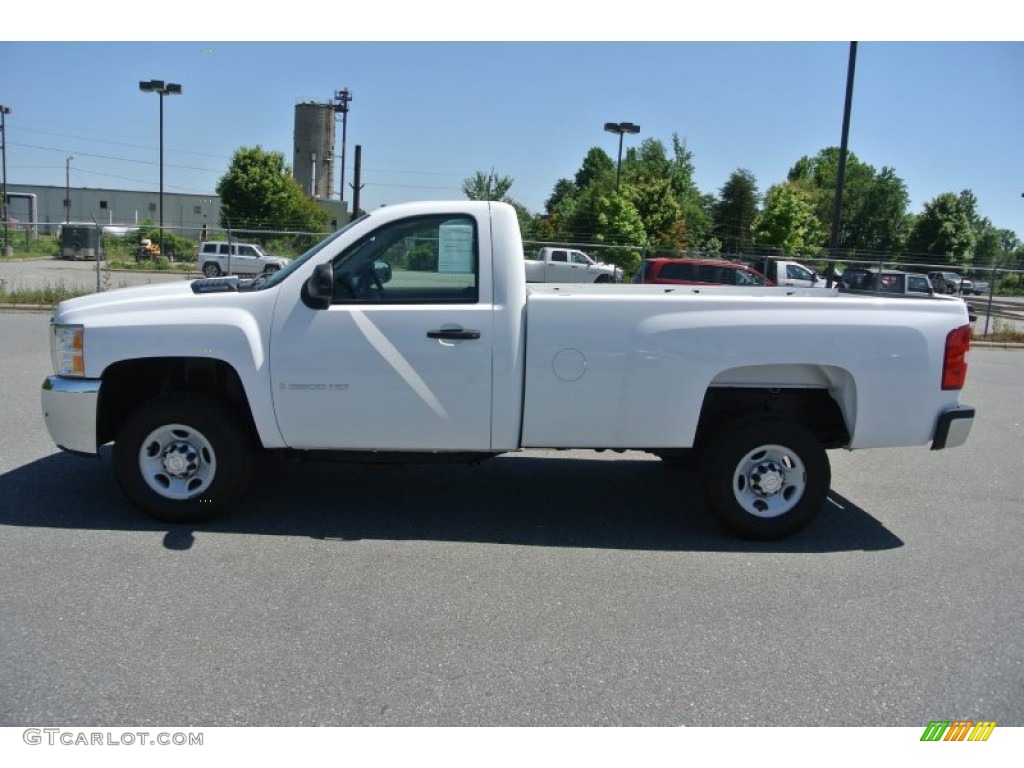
x,y
765,478
211,269
182,457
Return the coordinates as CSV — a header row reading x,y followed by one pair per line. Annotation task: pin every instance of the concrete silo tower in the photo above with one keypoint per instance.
x,y
313,161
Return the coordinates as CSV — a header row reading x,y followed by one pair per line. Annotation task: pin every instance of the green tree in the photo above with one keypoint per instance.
x,y
487,186
657,192
659,211
597,169
259,193
944,232
662,189
696,206
601,216
734,212
987,244
564,188
874,203
881,218
788,222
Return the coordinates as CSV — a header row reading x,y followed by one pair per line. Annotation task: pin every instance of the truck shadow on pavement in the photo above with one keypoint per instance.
x,y
518,500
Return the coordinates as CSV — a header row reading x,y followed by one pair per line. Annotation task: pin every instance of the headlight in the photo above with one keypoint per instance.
x,y
67,350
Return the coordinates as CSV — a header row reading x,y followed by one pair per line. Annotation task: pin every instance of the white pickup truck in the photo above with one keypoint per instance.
x,y
564,265
793,273
412,333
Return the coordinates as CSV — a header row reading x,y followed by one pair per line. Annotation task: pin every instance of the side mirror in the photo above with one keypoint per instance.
x,y
383,271
318,290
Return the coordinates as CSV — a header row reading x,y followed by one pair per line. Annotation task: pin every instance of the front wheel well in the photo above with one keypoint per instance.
x,y
813,408
130,383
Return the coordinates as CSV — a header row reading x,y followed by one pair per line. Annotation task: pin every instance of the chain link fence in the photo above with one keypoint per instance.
x,y
45,269
54,261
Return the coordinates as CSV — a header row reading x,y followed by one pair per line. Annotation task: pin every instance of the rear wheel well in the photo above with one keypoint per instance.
x,y
813,408
130,383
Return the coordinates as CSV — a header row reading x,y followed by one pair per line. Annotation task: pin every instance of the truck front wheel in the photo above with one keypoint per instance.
x,y
182,457
766,478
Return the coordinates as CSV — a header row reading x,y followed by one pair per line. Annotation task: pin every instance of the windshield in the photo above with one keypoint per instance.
x,y
275,278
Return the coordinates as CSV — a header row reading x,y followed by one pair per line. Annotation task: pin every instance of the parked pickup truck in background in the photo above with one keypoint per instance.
x,y
950,282
893,282
563,265
783,272
404,336
887,281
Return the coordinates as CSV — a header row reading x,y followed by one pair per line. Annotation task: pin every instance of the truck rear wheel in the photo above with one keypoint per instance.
x,y
766,478
182,457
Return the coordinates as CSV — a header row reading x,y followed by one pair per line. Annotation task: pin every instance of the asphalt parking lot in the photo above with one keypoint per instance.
x,y
536,589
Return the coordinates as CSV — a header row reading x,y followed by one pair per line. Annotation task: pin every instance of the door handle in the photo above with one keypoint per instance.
x,y
453,333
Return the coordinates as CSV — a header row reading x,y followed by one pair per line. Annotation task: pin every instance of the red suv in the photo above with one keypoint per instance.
x,y
698,272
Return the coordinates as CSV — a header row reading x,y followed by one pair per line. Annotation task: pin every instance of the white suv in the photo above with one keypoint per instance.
x,y
218,258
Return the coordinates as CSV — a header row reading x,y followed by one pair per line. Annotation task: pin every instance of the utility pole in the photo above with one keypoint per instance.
x,y
342,99
3,203
358,181
67,189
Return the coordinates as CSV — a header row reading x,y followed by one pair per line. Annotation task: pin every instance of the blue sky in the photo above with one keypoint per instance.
x,y
945,116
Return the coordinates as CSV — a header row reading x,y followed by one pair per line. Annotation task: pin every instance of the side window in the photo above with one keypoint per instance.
x,y
421,260
890,283
224,249
579,258
794,272
707,273
917,283
247,250
677,270
559,256
747,278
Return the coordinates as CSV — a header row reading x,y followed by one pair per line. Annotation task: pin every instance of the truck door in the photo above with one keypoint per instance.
x,y
797,274
401,360
246,260
560,267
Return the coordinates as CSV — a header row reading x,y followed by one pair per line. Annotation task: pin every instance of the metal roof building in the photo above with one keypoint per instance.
x,y
184,214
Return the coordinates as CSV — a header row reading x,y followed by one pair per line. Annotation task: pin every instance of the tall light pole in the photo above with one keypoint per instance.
x,y
162,89
621,129
342,99
3,147
837,208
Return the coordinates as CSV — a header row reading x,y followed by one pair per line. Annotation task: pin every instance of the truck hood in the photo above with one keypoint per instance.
x,y
162,296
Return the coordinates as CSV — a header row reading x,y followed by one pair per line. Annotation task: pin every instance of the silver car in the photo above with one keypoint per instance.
x,y
219,258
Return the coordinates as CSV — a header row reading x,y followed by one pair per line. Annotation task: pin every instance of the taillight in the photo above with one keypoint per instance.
x,y
954,363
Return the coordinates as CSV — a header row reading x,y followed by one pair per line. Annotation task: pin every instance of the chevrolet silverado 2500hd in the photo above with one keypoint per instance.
x,y
412,333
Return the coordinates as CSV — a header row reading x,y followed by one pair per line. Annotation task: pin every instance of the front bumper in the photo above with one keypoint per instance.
x,y
953,427
69,410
